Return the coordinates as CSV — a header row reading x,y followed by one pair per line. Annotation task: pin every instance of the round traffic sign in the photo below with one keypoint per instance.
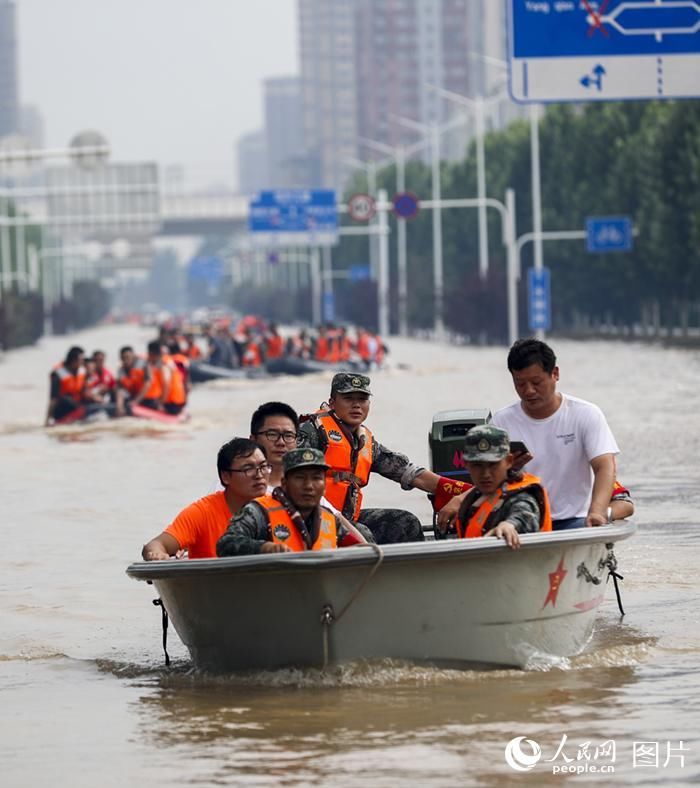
x,y
406,205
361,207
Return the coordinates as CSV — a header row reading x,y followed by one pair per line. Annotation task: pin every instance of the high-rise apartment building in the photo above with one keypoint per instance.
x,y
252,163
9,101
365,62
284,133
327,41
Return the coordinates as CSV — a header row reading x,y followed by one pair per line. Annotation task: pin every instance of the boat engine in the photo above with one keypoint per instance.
x,y
446,441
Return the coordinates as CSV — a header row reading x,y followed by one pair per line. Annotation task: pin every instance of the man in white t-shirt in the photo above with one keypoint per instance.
x,y
572,445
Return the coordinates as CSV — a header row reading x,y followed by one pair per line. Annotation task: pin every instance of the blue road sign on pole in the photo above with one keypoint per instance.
x,y
328,307
208,269
539,301
359,272
294,217
609,234
406,205
585,50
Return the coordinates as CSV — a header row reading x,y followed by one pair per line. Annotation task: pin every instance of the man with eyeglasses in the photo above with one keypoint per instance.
x,y
244,473
274,425
291,518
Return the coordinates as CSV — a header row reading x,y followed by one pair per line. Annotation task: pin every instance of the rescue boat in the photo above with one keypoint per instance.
x,y
457,602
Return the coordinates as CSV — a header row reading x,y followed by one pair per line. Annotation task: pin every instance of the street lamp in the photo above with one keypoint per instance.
x,y
478,105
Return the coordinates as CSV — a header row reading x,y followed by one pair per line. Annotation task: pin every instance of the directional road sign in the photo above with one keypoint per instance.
x,y
609,234
207,269
603,50
539,301
294,217
328,307
360,272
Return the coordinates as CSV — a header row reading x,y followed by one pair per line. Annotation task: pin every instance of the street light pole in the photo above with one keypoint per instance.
x,y
536,194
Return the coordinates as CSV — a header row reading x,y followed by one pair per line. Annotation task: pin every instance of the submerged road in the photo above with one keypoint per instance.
x,y
86,701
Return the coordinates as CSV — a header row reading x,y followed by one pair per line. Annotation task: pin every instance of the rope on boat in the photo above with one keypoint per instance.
x,y
328,616
164,621
610,561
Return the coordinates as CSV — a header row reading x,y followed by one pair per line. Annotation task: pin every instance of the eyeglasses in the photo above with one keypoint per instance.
x,y
274,435
251,471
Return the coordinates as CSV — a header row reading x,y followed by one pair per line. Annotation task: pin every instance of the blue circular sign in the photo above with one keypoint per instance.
x,y
406,205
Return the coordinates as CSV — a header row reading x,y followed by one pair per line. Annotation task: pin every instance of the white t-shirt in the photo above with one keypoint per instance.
x,y
562,446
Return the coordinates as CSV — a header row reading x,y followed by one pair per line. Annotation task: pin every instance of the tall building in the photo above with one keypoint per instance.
x,y
366,62
284,133
327,42
9,101
252,163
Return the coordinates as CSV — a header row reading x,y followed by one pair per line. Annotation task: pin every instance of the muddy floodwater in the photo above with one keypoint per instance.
x,y
85,699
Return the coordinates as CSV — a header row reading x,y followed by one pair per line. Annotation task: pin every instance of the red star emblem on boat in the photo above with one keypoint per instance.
x,y
556,578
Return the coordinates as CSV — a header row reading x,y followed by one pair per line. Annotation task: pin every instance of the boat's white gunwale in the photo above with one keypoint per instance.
x,y
414,551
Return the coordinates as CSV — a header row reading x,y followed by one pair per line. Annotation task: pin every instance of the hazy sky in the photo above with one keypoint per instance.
x,y
177,81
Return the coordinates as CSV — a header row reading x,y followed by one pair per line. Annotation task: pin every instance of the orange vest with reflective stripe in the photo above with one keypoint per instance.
x,y
70,385
347,474
480,520
283,530
363,347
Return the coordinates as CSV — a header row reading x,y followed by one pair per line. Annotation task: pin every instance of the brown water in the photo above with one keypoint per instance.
x,y
85,700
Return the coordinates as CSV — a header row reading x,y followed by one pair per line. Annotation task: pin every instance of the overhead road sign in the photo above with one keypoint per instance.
x,y
539,300
607,50
360,272
609,234
406,205
294,217
361,207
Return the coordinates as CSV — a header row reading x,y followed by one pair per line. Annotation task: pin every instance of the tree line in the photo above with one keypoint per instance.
x,y
640,159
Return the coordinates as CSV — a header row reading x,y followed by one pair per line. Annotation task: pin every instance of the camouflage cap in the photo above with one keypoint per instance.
x,y
486,443
347,382
302,458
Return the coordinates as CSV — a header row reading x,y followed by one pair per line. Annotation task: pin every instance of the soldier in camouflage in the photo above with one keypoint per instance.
x,y
342,425
498,505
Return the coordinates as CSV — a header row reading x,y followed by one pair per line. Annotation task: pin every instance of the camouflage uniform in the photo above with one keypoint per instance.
x,y
249,529
387,525
486,443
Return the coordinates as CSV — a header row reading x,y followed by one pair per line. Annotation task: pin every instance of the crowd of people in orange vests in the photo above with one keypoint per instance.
x,y
252,342
160,380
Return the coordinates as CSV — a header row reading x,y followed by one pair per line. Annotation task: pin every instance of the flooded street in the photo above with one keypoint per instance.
x,y
86,700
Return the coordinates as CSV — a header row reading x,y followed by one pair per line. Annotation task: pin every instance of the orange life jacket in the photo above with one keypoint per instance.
x,y
133,379
363,347
251,355
155,390
275,346
70,385
177,391
333,348
347,474
322,349
283,530
344,345
379,354
485,517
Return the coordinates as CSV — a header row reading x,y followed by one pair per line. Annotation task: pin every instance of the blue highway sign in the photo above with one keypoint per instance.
x,y
208,269
289,217
539,305
603,50
609,234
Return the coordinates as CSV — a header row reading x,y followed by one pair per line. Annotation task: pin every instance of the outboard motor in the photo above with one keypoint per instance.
x,y
446,442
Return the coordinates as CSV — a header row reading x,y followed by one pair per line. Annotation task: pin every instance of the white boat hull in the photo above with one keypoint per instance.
x,y
451,602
